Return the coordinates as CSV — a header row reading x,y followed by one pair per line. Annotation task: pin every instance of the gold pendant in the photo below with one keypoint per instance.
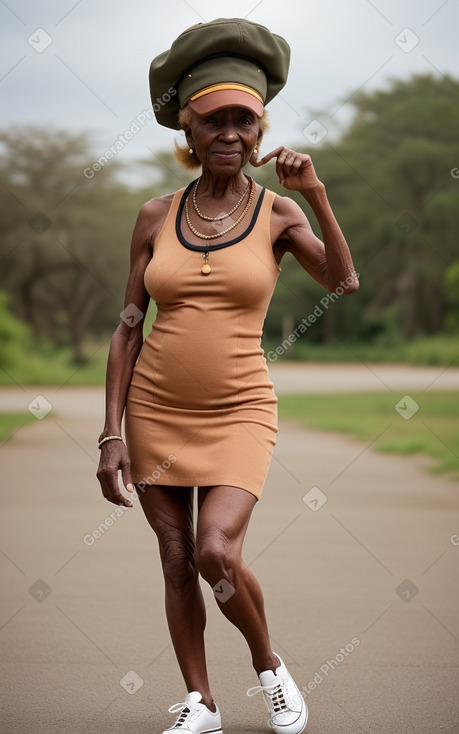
x,y
206,269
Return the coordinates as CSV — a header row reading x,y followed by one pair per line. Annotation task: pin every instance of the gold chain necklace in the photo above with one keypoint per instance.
x,y
228,229
221,216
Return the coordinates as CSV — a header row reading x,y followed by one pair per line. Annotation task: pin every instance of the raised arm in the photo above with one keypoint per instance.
x,y
125,346
328,261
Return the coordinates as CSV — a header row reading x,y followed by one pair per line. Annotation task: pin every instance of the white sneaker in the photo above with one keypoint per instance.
x,y
195,717
287,707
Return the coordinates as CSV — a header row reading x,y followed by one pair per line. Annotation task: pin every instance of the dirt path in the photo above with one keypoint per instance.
x,y
357,554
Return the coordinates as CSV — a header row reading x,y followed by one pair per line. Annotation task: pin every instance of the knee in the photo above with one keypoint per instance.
x,y
214,556
177,559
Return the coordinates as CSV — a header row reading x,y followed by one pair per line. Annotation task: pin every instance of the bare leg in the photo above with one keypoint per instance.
x,y
169,510
224,514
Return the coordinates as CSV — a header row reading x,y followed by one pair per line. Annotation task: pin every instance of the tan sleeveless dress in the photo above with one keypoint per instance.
x,y
201,410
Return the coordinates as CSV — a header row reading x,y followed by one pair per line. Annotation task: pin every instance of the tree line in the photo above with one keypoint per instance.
x,y
392,177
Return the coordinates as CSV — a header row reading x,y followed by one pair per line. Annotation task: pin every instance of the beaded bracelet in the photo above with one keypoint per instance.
x,y
109,438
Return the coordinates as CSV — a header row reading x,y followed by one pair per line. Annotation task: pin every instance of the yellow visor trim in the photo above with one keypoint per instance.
x,y
227,86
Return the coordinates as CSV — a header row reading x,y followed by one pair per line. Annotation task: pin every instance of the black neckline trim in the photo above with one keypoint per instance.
x,y
211,248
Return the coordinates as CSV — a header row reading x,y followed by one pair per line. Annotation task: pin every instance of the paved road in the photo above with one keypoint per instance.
x,y
356,552
294,377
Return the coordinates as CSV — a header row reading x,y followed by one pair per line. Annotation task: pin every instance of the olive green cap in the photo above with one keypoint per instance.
x,y
226,50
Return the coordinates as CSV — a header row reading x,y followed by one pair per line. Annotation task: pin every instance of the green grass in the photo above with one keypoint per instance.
x,y
10,422
56,368
440,349
46,366
432,431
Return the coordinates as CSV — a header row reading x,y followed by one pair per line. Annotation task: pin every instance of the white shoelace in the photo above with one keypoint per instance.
x,y
276,696
185,713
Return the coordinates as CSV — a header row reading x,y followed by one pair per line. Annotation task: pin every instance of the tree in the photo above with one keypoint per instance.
x,y
65,244
64,238
402,143
388,177
452,297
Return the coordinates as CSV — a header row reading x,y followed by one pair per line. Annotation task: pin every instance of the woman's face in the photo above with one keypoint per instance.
x,y
224,140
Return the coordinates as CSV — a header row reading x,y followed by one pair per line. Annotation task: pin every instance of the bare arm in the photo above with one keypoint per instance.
x,y
328,261
125,346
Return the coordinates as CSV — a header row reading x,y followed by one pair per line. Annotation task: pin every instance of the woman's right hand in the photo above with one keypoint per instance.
x,y
114,458
125,347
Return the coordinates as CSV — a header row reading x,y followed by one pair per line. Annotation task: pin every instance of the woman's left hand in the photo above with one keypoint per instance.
x,y
295,170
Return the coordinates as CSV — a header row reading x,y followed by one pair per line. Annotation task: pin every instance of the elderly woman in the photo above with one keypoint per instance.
x,y
200,410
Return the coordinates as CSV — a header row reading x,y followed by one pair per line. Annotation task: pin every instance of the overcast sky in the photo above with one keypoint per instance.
x,y
84,65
